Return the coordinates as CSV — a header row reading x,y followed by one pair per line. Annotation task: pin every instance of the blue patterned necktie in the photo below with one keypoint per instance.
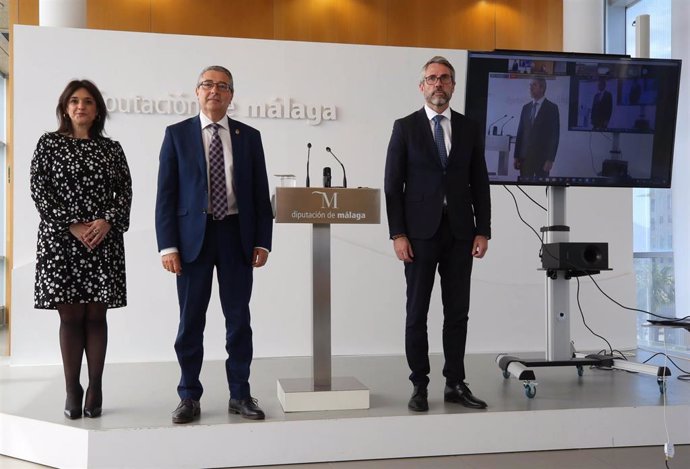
x,y
440,141
219,193
534,112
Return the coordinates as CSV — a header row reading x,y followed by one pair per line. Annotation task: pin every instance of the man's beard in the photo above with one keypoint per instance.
x,y
439,99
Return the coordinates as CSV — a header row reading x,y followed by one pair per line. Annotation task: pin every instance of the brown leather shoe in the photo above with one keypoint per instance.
x,y
461,394
187,410
419,402
247,408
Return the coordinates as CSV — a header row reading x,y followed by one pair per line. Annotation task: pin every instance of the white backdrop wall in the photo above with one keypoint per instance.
x,y
370,86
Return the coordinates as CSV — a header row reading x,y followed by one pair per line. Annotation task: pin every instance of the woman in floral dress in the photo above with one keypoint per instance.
x,y
81,185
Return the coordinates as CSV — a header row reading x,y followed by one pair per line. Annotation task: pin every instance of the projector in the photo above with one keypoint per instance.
x,y
575,256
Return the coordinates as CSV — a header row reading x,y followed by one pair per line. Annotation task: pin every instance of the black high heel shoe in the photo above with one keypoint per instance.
x,y
95,409
73,404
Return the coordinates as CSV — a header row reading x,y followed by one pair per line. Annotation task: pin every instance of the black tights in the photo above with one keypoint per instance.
x,y
83,327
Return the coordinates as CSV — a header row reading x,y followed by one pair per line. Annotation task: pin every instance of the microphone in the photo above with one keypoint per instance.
x,y
328,149
506,122
488,132
326,177
308,153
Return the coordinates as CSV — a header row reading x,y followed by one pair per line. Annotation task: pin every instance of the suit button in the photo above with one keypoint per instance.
x,y
203,211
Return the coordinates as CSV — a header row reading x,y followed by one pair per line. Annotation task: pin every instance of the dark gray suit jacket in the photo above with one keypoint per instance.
x,y
416,183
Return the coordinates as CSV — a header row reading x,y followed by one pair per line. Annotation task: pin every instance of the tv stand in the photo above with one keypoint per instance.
x,y
615,167
559,348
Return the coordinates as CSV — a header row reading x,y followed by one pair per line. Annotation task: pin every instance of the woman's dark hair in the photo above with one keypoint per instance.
x,y
65,123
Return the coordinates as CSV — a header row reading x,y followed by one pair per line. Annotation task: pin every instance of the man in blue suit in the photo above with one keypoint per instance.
x,y
439,216
539,130
213,211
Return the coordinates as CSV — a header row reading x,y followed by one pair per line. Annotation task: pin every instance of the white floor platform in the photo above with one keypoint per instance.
x,y
602,409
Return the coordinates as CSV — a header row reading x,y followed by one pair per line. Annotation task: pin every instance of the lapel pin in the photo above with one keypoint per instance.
x,y
237,131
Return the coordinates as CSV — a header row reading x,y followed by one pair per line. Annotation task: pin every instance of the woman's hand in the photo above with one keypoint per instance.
x,y
78,230
95,233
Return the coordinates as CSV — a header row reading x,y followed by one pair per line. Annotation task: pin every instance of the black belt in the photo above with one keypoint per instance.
x,y
209,217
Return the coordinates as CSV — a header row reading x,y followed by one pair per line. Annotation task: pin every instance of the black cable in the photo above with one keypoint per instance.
x,y
520,215
530,198
670,319
579,306
686,374
591,153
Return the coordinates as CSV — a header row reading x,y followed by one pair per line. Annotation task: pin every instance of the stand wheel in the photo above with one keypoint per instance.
x,y
662,385
506,374
580,370
530,390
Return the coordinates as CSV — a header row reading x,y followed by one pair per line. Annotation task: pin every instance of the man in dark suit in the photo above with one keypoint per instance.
x,y
439,216
538,133
213,211
602,106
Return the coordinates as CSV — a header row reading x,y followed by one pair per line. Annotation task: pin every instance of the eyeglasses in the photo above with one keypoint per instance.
x,y
445,79
208,85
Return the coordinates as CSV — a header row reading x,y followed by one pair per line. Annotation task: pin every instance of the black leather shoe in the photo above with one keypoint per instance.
x,y
93,403
418,402
461,394
247,408
187,410
73,404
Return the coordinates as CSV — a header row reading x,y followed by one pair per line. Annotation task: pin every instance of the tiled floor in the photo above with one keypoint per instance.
x,y
649,457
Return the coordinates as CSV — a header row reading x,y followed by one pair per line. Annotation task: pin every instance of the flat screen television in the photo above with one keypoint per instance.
x,y
570,119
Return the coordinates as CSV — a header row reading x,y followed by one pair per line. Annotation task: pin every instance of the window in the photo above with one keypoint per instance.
x,y
653,242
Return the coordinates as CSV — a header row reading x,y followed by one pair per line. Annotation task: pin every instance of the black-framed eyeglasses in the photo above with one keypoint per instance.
x,y
209,84
433,79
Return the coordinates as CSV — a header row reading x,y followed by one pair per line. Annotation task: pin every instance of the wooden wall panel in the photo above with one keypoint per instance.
x,y
227,18
453,24
24,12
529,24
120,15
343,21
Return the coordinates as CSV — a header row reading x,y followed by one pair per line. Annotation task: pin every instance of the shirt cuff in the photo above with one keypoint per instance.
x,y
168,251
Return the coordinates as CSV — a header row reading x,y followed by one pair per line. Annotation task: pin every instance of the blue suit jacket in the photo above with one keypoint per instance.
x,y
416,183
182,199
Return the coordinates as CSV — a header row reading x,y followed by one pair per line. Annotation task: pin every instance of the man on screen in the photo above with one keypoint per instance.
x,y
538,133
602,106
439,217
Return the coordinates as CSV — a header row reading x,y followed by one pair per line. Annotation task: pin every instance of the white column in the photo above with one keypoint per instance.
x,y
62,13
583,25
680,39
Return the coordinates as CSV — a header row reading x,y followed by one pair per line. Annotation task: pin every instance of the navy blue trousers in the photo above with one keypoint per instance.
x,y
221,250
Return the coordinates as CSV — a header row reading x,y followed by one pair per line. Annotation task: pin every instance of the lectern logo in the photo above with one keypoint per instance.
x,y
327,202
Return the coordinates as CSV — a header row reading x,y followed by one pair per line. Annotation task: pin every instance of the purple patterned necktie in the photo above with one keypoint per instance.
x,y
440,141
219,194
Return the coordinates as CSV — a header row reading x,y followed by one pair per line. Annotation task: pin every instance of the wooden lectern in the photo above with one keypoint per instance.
x,y
321,207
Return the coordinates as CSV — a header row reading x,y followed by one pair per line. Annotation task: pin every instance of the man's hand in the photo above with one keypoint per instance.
x,y
547,166
172,263
403,249
480,246
516,164
259,257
